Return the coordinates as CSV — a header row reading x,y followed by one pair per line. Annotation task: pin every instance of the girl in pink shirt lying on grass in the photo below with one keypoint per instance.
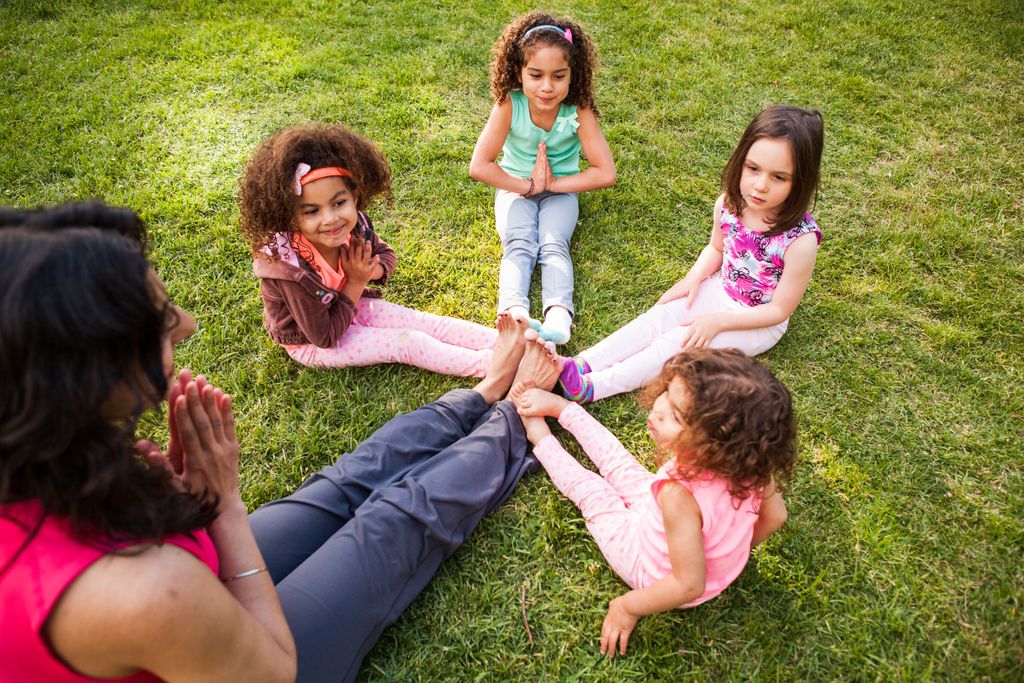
x,y
678,537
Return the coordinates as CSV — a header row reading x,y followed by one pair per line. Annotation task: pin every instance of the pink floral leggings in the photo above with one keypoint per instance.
x,y
383,332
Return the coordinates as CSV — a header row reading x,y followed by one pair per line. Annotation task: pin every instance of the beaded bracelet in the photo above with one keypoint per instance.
x,y
242,575
530,191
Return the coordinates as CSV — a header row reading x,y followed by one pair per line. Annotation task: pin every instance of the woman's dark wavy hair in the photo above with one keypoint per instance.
x,y
77,319
740,419
804,129
510,53
266,195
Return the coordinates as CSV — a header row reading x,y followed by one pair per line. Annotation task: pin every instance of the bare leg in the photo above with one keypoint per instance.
x,y
505,359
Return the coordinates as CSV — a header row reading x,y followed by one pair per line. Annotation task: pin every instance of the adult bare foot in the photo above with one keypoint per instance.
x,y
533,402
505,358
539,363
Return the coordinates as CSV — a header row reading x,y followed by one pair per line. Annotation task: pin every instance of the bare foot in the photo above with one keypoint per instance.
x,y
539,403
518,389
535,426
505,358
539,363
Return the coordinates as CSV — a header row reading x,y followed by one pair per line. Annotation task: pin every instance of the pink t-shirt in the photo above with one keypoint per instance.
x,y
727,530
752,262
34,577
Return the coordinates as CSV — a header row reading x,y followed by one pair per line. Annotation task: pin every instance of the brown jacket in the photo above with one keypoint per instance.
x,y
298,308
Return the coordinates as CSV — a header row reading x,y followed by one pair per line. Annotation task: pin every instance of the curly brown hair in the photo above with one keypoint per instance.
x,y
266,198
740,419
512,49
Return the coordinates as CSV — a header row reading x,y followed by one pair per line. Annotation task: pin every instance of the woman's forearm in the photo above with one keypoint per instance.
x,y
238,554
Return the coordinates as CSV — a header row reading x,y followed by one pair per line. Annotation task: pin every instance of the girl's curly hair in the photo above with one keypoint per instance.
x,y
266,198
511,51
740,419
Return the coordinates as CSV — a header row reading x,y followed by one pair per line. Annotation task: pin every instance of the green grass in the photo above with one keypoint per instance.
x,y
902,556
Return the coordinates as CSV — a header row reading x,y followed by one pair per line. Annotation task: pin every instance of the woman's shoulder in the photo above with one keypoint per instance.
x,y
126,601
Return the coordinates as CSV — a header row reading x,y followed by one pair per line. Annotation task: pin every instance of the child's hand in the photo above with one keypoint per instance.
x,y
618,624
685,287
358,261
700,331
541,170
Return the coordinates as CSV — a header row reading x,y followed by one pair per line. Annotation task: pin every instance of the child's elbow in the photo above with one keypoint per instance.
x,y
776,517
691,588
476,170
611,177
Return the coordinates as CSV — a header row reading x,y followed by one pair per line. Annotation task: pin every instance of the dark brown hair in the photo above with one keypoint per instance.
x,y
804,129
77,320
511,50
266,195
739,418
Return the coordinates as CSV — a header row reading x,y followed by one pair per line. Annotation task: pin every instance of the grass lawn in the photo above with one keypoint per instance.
x,y
902,556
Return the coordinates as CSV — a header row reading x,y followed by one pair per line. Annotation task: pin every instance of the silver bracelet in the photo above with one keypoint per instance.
x,y
242,575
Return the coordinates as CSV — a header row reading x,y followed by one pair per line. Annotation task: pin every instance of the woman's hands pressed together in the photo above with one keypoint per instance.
x,y
202,449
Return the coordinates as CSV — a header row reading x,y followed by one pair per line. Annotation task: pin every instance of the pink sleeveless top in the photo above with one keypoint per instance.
x,y
752,262
727,529
40,573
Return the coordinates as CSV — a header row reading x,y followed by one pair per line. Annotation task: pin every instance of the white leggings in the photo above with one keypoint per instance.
x,y
634,354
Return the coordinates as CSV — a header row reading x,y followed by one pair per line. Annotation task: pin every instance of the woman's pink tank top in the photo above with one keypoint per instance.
x,y
38,573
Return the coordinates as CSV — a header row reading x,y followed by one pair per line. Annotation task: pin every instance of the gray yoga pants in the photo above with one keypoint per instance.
x,y
357,542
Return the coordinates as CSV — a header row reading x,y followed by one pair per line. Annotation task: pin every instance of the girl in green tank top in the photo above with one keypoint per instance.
x,y
543,116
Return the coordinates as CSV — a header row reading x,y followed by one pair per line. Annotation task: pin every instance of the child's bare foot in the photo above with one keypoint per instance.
x,y
535,402
539,363
505,358
535,426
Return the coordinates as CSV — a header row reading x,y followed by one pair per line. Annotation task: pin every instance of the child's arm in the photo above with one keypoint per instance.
x,y
387,259
800,257
708,263
322,323
359,264
595,148
686,582
484,167
771,516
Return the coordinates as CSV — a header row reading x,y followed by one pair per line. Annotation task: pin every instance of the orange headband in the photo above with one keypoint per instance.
x,y
304,176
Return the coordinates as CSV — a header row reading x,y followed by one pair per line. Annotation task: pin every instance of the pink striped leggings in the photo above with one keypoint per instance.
x,y
383,332
614,503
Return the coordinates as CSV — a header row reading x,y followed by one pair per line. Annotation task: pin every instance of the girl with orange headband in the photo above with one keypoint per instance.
x,y
302,200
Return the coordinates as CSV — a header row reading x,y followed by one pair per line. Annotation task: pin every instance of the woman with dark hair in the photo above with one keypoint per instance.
x,y
120,561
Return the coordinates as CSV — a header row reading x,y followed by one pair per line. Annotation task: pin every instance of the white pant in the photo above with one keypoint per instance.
x,y
634,354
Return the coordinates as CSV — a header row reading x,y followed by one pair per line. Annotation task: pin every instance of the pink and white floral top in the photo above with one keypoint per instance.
x,y
752,262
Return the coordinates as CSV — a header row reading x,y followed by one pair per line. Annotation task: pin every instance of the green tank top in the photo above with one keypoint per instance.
x,y
519,153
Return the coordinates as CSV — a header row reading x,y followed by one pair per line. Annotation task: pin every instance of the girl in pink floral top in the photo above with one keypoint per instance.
x,y
748,279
